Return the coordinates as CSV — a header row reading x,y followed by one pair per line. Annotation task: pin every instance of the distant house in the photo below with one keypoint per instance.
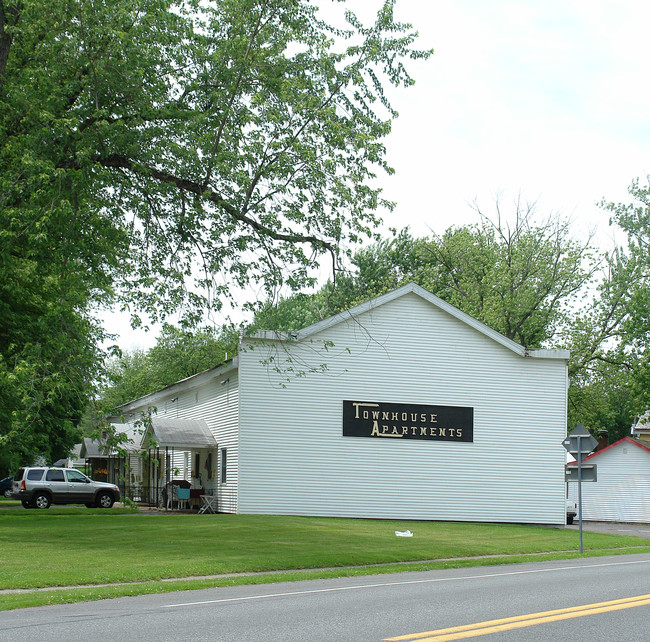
x,y
641,428
94,454
401,407
622,492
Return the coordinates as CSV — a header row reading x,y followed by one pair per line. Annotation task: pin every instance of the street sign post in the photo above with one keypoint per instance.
x,y
580,443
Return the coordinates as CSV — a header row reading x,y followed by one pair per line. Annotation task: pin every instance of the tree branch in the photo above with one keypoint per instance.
x,y
122,162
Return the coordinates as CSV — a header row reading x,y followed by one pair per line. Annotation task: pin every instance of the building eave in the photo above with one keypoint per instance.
x,y
199,379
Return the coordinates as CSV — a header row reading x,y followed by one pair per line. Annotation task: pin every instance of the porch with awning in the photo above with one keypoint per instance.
x,y
173,453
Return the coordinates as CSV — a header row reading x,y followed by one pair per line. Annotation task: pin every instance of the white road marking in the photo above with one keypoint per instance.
x,y
404,583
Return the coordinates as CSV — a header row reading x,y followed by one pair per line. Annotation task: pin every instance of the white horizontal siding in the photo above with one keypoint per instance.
x,y
216,401
220,410
622,492
294,459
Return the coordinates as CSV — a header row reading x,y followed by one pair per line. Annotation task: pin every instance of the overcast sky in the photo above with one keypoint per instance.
x,y
549,100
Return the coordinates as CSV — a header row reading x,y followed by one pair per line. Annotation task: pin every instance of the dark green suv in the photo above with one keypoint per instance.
x,y
41,486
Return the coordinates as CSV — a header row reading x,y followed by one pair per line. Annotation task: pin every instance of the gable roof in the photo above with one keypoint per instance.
x,y
614,445
91,448
412,288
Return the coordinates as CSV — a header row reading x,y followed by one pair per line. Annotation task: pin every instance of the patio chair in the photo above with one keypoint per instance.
x,y
183,496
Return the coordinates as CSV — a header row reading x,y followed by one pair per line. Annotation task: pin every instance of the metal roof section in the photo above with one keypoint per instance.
x,y
411,288
181,433
96,449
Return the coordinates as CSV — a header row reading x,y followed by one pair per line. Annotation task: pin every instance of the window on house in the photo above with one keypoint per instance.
x,y
223,465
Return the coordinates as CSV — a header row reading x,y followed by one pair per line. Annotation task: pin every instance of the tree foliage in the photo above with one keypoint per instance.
x,y
521,278
242,133
179,353
165,152
612,336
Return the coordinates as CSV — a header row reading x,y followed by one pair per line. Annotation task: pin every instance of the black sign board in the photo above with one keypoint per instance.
x,y
589,473
407,421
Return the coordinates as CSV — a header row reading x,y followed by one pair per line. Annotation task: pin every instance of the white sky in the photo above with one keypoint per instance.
x,y
549,100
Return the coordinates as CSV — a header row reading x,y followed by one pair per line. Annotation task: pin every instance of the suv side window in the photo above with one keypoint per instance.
x,y
54,475
36,474
76,476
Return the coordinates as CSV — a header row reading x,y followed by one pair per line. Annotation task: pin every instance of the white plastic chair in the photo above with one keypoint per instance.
x,y
171,496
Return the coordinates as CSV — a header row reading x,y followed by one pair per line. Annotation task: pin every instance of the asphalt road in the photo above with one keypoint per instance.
x,y
375,608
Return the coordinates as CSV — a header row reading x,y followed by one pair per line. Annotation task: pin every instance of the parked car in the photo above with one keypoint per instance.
x,y
571,511
5,486
41,486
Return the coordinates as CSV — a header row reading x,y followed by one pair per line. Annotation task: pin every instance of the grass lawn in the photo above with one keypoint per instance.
x,y
77,546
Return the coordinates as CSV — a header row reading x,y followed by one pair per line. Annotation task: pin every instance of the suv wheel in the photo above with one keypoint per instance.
x,y
41,500
104,500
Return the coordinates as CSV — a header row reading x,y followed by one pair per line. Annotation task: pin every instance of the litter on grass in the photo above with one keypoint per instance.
x,y
403,533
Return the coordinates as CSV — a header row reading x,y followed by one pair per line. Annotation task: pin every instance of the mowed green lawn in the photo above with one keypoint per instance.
x,y
76,546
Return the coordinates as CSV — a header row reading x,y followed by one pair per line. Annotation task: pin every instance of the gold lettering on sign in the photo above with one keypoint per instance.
x,y
384,431
356,405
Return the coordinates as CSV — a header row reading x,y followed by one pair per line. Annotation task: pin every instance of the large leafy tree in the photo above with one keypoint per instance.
x,y
517,274
167,151
613,336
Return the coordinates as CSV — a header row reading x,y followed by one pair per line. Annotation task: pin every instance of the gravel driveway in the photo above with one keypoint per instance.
x,y
615,528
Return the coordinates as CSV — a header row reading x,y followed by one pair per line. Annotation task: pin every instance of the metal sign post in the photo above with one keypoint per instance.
x,y
580,443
